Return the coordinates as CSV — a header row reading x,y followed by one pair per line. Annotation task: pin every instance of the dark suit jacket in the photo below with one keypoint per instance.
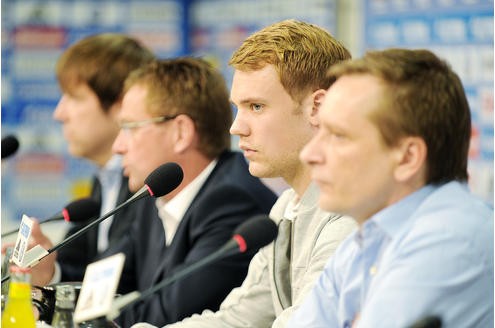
x,y
229,196
75,256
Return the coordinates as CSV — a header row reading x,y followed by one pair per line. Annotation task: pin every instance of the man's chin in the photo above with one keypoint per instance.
x,y
76,152
325,203
257,171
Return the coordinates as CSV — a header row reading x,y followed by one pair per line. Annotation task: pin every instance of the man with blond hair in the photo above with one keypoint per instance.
x,y
278,86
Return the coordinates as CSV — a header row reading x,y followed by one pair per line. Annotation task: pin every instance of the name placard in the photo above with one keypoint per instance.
x,y
98,288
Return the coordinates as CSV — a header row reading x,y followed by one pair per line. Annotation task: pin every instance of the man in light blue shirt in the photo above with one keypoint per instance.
x,y
392,152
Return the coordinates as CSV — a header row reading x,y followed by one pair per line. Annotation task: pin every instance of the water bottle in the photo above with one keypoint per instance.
x,y
19,309
5,271
65,296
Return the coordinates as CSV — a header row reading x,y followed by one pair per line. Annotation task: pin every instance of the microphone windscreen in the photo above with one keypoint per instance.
x,y
256,232
10,144
164,179
81,210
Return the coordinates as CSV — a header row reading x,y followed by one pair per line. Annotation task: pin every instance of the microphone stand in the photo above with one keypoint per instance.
x,y
83,230
153,186
86,228
135,296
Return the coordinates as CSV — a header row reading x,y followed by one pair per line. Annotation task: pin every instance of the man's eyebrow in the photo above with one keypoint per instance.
x,y
248,101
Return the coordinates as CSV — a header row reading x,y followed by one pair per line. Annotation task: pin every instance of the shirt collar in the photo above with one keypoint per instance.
x,y
298,205
392,218
177,206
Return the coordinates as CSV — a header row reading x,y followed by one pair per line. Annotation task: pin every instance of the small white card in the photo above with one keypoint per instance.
x,y
20,256
22,240
98,289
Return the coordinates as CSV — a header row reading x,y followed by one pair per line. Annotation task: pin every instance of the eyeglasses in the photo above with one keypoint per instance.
x,y
131,126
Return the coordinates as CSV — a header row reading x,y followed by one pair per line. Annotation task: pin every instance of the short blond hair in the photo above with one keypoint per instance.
x,y
300,52
190,86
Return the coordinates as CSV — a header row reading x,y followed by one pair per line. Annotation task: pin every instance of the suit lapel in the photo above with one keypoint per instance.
x,y
182,234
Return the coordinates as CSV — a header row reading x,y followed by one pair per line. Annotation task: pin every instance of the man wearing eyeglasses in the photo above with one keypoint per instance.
x,y
178,110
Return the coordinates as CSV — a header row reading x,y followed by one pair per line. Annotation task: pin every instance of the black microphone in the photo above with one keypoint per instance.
x,y
431,321
160,182
252,234
77,211
10,144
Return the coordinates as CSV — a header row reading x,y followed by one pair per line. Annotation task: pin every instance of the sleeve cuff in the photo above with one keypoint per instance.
x,y
57,275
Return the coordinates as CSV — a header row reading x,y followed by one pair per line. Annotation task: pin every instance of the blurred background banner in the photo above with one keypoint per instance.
x,y
461,32
42,177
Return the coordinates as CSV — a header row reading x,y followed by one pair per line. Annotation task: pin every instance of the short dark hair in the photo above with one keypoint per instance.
x,y
103,62
423,97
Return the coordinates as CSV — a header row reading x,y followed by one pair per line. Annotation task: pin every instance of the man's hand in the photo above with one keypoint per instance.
x,y
42,273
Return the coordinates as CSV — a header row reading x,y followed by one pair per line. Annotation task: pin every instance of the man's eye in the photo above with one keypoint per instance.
x,y
337,135
256,107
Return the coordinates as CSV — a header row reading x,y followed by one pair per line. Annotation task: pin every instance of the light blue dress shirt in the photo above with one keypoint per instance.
x,y
429,254
110,177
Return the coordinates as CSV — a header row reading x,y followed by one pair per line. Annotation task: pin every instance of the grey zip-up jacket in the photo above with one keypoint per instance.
x,y
255,304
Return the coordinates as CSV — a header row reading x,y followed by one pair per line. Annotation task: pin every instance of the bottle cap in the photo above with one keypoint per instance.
x,y
65,292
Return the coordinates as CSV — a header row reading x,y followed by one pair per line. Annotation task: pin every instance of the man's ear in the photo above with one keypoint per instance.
x,y
411,159
317,99
184,134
